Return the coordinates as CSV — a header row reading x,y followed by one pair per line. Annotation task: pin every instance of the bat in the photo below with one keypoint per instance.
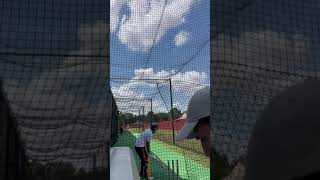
x,y
158,161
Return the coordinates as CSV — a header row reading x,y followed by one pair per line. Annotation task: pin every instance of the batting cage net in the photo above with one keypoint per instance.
x,y
259,48
55,73
159,57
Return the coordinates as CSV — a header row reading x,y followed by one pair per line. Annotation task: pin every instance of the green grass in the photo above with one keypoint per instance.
x,y
190,148
191,165
191,155
191,145
166,136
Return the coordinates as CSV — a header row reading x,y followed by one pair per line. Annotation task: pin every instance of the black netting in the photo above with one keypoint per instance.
x,y
258,49
54,66
159,59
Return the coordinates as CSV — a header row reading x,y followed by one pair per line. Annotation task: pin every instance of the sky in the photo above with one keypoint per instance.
x,y
152,39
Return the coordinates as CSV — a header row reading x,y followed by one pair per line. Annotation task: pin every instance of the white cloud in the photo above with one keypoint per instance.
x,y
139,29
181,38
149,73
190,81
124,91
127,99
116,6
183,83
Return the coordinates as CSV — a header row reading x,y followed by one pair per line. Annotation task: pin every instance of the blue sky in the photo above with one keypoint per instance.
x,y
181,47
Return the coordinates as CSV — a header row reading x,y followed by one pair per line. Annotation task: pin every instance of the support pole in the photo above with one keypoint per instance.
x,y
144,119
151,105
139,121
172,118
151,112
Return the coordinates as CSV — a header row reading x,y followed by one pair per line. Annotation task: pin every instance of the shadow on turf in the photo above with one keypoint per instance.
x,y
127,139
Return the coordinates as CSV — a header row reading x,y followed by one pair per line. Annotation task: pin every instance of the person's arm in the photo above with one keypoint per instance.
x,y
148,143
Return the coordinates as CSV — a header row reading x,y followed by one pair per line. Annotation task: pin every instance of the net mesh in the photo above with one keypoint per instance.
x,y
258,49
158,61
54,67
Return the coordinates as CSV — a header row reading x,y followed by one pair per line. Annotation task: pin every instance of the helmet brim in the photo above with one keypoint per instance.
x,y
186,132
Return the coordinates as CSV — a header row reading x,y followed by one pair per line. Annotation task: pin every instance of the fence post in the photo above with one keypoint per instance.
x,y
151,112
172,118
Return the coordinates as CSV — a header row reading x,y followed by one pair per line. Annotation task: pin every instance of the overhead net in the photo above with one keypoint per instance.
x,y
55,72
259,48
158,61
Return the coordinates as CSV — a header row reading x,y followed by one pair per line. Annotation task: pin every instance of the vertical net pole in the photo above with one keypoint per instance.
x,y
143,114
168,169
151,112
177,165
139,121
172,119
172,169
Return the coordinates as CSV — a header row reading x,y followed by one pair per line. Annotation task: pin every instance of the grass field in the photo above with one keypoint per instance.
x,y
166,136
192,165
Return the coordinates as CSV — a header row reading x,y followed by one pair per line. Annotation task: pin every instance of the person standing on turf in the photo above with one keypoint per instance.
x,y
198,120
198,126
142,147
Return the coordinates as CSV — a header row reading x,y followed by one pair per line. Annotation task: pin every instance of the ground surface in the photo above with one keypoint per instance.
x,y
192,165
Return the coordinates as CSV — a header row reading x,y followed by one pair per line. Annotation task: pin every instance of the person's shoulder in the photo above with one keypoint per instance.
x,y
148,131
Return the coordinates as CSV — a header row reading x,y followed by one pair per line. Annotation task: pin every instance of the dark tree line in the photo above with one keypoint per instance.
x,y
129,118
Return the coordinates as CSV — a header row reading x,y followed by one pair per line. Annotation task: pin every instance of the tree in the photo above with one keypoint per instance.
x,y
126,118
162,116
149,117
176,113
121,118
129,118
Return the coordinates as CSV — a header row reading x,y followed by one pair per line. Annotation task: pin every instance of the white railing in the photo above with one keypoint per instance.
x,y
122,164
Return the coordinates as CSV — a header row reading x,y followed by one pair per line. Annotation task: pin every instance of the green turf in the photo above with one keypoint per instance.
x,y
166,136
128,139
188,154
191,166
190,145
191,148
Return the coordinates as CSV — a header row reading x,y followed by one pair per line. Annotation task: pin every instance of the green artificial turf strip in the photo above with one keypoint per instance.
x,y
192,146
165,152
188,167
190,155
